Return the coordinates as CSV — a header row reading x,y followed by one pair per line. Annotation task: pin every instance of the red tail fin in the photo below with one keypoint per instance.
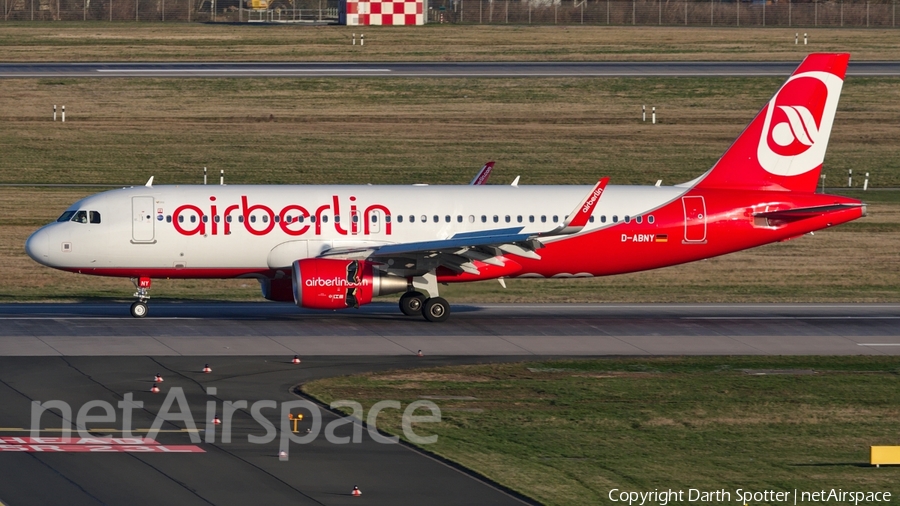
x,y
783,147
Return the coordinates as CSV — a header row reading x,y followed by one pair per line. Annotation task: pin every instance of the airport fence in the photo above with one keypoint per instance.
x,y
832,13
667,13
202,11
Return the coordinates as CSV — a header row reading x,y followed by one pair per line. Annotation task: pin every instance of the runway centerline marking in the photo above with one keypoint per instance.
x,y
878,344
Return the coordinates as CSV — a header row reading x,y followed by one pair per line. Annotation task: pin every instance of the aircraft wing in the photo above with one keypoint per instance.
x,y
459,252
483,174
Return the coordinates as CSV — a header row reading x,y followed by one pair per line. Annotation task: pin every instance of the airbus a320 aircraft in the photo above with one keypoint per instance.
x,y
335,247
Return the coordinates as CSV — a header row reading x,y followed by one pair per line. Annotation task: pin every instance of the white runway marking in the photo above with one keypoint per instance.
x,y
191,71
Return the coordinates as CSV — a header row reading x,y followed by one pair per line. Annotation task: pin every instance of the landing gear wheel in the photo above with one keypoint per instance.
x,y
139,309
411,303
436,309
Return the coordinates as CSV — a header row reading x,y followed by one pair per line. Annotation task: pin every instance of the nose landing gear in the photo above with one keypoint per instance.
x,y
139,308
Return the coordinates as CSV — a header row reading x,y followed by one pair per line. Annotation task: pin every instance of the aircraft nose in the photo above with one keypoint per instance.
x,y
38,246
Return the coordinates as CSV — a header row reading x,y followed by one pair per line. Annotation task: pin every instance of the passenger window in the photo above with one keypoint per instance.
x,y
483,218
650,219
216,218
531,219
252,219
337,218
324,219
66,216
507,218
400,219
300,218
169,219
639,219
412,219
591,219
80,217
519,218
95,217
555,218
424,219
354,219
496,218
459,218
241,218
447,218
627,219
193,219
374,218
228,219
543,219
265,218
180,219
387,218
603,219
471,218
312,219
204,218
615,219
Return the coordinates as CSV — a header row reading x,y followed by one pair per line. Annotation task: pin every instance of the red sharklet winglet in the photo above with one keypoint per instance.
x,y
579,217
783,148
483,175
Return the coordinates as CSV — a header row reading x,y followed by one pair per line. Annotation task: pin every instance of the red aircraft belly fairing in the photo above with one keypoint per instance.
x,y
335,247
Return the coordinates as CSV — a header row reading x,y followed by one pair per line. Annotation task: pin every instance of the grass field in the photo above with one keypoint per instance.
x,y
566,432
101,41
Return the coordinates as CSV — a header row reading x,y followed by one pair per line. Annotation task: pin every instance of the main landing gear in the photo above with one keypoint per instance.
x,y
434,309
414,302
139,308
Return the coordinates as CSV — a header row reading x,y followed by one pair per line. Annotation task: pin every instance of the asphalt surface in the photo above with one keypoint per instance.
x,y
235,473
429,69
95,351
217,329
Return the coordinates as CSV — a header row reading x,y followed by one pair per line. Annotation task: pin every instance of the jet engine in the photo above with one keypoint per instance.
x,y
323,283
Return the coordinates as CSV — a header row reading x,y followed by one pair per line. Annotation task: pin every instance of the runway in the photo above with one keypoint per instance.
x,y
226,328
221,473
429,69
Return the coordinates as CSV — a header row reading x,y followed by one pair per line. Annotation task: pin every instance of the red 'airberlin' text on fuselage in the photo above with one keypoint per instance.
x,y
292,219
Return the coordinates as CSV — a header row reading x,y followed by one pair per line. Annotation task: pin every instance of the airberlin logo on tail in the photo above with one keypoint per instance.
x,y
800,128
798,123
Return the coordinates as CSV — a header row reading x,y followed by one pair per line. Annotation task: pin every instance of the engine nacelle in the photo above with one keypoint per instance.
x,y
322,283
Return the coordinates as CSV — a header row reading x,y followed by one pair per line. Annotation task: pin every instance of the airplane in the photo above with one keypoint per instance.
x,y
338,246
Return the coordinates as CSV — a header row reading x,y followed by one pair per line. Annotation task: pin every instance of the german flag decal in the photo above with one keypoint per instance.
x,y
662,238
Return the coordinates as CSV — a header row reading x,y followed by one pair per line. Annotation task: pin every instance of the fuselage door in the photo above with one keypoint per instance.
x,y
142,219
694,219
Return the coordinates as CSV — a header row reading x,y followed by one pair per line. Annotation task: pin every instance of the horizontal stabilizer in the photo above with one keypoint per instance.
x,y
801,213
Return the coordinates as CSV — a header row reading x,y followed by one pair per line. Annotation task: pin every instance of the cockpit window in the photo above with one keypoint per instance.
x,y
95,217
66,216
80,217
